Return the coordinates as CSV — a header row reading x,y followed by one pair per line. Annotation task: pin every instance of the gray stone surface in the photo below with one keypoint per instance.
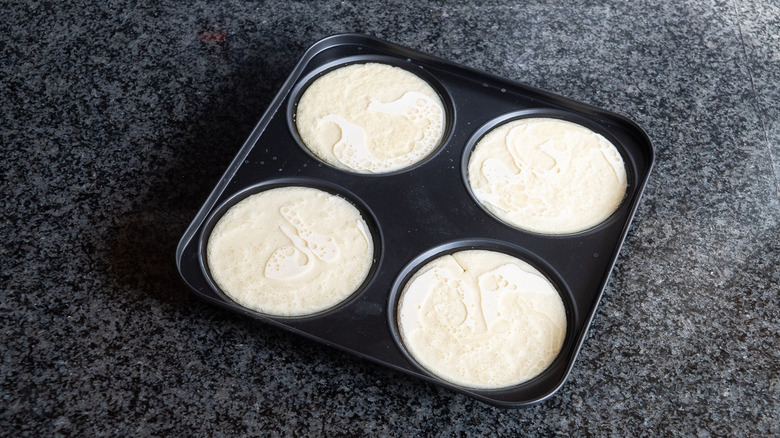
x,y
119,117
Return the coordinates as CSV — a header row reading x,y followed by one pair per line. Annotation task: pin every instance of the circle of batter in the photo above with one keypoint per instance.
x,y
290,251
547,176
481,319
370,118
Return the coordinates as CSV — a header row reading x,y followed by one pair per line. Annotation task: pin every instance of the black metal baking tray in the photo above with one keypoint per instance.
x,y
419,213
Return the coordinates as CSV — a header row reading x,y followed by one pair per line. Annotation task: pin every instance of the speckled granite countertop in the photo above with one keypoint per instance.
x,y
119,117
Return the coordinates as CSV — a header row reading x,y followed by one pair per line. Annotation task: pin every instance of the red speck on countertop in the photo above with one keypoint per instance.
x,y
213,36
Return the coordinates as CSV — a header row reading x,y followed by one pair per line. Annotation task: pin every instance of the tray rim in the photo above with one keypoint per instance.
x,y
277,105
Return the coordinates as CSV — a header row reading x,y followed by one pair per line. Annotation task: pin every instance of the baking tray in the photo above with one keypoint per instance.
x,y
422,212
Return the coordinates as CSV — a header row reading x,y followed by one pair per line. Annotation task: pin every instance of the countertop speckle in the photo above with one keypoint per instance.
x,y
120,116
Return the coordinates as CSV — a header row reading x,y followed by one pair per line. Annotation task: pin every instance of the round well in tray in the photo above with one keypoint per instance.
x,y
289,250
369,117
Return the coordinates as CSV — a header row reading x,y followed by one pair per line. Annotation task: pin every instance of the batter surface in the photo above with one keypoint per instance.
x,y
481,319
370,118
290,251
547,176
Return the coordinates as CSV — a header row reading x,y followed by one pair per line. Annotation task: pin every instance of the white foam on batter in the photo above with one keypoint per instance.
x,y
547,175
481,319
370,118
290,251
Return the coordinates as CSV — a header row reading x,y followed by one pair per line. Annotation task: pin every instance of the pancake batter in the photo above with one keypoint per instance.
x,y
370,118
290,251
481,319
547,175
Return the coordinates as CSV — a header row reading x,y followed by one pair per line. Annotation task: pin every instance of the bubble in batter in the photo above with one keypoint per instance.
x,y
481,319
547,176
370,118
290,251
